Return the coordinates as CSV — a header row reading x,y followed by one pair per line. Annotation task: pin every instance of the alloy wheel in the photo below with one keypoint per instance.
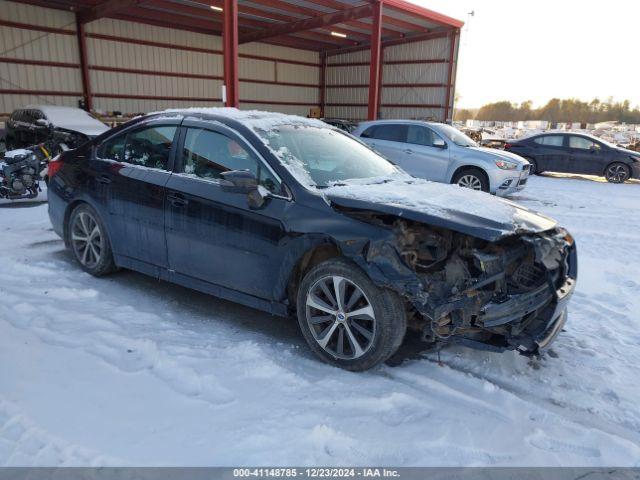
x,y
616,173
340,317
470,181
86,239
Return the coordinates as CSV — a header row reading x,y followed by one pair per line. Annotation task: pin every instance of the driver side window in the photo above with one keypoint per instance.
x,y
206,154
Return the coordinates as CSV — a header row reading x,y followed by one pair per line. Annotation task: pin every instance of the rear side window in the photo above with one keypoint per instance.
x,y
148,147
550,140
391,133
113,149
207,154
420,135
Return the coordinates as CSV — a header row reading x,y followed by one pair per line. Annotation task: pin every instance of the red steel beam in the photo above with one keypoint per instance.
x,y
230,52
452,49
53,93
105,9
424,13
310,12
386,19
268,14
305,24
374,69
323,82
188,13
82,49
41,63
38,28
389,43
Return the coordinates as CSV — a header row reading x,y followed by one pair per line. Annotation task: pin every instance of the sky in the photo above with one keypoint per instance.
x,y
537,50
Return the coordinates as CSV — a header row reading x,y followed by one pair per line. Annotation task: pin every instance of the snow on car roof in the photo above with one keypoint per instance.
x,y
254,119
264,125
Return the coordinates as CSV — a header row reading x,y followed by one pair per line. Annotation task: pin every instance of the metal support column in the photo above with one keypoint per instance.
x,y
84,65
230,52
374,68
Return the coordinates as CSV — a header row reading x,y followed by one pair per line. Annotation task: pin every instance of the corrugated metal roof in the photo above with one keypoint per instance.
x,y
401,19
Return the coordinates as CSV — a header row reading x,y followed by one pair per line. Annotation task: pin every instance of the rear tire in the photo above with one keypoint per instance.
x,y
472,178
617,173
334,331
534,170
89,241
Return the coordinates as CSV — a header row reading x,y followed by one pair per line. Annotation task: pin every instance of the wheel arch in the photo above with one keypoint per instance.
x,y
470,166
67,216
314,255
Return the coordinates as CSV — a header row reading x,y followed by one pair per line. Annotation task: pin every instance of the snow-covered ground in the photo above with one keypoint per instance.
x,y
126,370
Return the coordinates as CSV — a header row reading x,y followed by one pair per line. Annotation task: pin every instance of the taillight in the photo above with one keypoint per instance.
x,y
507,146
54,166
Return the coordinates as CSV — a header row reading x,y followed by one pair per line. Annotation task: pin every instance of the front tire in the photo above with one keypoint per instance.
x,y
617,173
89,241
346,319
472,178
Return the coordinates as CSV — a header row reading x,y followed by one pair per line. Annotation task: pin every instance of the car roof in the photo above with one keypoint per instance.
x,y
400,121
254,119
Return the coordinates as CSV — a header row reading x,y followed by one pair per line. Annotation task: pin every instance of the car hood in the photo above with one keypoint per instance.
x,y
90,131
500,154
442,205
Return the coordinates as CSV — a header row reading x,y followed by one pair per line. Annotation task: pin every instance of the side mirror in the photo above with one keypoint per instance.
x,y
243,181
594,148
439,143
238,181
42,122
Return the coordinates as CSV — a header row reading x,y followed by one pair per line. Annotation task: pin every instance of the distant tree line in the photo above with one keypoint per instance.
x,y
556,110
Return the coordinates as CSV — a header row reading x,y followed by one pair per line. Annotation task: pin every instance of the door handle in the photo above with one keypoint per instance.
x,y
177,200
408,151
104,179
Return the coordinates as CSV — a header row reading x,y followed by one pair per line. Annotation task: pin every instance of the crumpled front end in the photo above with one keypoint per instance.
x,y
509,294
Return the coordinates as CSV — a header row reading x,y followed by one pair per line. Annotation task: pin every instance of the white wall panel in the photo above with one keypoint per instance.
x,y
33,45
9,103
288,72
301,110
402,73
276,51
139,31
35,77
29,14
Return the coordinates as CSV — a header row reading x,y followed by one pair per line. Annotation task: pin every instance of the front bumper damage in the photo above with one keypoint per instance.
x,y
506,295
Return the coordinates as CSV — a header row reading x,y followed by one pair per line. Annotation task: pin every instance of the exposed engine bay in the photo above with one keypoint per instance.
x,y
508,294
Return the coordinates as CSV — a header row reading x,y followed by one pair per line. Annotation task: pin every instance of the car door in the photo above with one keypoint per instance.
x,y
389,139
551,153
426,154
133,169
586,155
212,234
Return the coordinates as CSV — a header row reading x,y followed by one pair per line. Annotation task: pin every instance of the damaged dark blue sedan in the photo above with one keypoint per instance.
x,y
292,216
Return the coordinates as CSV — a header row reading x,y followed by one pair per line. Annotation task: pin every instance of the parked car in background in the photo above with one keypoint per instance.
x,y
577,153
41,123
441,153
346,125
292,216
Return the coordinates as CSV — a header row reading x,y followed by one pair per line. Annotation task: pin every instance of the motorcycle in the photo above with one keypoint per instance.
x,y
22,170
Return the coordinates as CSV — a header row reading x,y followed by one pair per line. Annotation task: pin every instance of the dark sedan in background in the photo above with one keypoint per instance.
x,y
577,153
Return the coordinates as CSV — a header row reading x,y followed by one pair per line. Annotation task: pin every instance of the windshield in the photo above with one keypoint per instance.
x,y
322,157
456,136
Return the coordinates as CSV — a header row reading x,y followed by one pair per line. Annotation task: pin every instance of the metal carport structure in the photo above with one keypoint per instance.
x,y
352,45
